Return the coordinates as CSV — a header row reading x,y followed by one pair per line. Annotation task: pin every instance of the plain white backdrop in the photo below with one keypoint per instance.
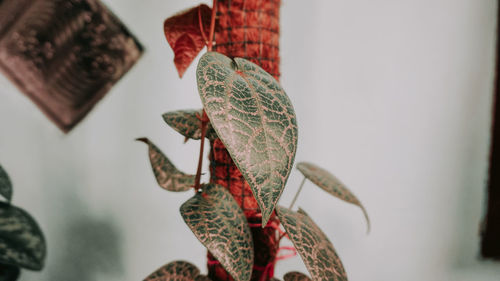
x,y
392,96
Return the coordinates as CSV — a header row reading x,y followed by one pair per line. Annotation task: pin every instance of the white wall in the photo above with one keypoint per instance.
x,y
392,96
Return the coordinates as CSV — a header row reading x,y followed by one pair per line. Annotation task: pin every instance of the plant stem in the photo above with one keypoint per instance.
x,y
297,194
212,26
204,123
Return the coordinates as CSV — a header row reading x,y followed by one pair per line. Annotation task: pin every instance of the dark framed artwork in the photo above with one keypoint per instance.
x,y
64,55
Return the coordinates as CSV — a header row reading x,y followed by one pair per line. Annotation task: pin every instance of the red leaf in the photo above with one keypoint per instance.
x,y
187,36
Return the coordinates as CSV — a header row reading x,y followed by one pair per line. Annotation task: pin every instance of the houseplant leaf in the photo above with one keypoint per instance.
x,y
167,175
296,276
186,122
9,272
219,223
21,240
255,120
185,36
316,250
329,183
5,185
177,271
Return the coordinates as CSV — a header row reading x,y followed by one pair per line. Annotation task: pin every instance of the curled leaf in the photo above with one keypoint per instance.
x,y
188,124
219,223
185,36
167,175
329,183
21,240
177,271
316,250
296,276
5,185
255,120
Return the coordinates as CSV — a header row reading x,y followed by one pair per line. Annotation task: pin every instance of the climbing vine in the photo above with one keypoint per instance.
x,y
247,109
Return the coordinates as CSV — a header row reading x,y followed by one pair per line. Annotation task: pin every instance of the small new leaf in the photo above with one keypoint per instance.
x,y
185,36
21,240
296,276
219,223
188,124
255,120
5,185
316,250
329,183
167,175
177,271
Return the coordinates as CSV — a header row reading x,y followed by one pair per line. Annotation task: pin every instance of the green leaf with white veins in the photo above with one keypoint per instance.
x,y
188,124
21,241
218,222
255,120
316,250
329,183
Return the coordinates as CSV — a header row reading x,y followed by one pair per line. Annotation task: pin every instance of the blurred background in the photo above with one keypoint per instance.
x,y
393,97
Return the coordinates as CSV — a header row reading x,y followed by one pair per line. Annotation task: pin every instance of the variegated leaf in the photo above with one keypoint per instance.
x,y
9,272
296,276
219,223
188,124
255,120
5,185
329,183
21,240
177,271
167,175
316,250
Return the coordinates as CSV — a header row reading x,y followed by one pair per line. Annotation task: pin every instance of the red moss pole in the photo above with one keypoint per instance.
x,y
247,29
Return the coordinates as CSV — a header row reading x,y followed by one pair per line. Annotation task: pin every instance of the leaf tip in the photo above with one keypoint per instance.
x,y
144,140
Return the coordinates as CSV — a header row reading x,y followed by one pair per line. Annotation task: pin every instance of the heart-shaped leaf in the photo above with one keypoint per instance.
x,y
188,124
219,223
5,185
255,120
185,34
177,271
316,250
167,175
21,240
296,276
329,183
9,272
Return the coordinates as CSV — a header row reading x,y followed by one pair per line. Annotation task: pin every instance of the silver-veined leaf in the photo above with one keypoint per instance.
x,y
167,175
316,250
296,276
5,185
255,120
329,183
188,124
219,223
177,271
21,240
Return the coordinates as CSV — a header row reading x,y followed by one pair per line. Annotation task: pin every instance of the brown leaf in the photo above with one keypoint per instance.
x,y
316,250
167,175
177,271
185,36
329,183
